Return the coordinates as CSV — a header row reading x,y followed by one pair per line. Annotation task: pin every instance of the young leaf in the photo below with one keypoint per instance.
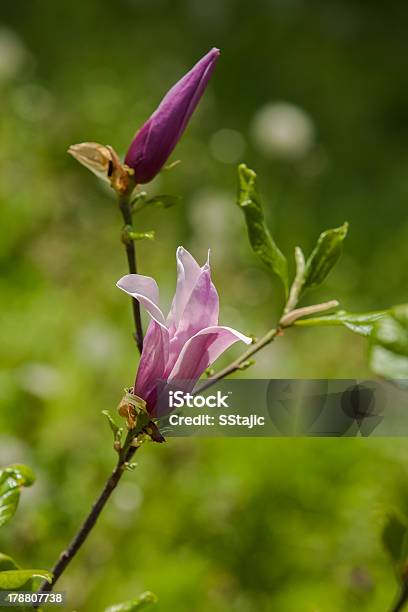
x,y
389,344
7,563
9,498
141,201
111,422
22,474
260,238
135,605
117,431
324,256
129,235
361,323
166,201
11,580
12,479
142,235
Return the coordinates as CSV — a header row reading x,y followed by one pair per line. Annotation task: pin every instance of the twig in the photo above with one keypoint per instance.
x,y
238,363
297,284
67,555
292,316
285,322
125,209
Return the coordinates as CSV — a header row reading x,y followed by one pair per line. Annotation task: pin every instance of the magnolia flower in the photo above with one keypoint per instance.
x,y
156,139
182,346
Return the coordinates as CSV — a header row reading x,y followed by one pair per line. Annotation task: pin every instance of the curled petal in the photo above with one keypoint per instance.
x,y
202,350
145,290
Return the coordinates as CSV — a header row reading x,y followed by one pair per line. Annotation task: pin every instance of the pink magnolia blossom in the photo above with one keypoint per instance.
x,y
183,345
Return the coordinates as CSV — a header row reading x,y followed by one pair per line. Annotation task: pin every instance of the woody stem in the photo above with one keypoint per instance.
x,y
125,209
69,553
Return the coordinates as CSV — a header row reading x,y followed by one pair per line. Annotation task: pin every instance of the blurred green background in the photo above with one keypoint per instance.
x,y
314,97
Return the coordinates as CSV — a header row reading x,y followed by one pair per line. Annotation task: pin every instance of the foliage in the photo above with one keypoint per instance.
x,y
389,344
259,236
324,256
12,479
361,323
143,602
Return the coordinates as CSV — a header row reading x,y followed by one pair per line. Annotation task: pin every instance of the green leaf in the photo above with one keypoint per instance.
x,y
389,344
7,563
112,424
141,201
129,235
260,238
9,498
361,323
117,431
12,479
324,256
387,364
166,201
24,475
14,579
135,605
142,235
392,331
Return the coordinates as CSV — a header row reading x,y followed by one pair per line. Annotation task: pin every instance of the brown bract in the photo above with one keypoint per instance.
x,y
104,162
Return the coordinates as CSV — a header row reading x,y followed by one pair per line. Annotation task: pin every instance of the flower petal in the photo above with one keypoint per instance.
x,y
200,312
145,290
202,307
202,350
152,363
188,272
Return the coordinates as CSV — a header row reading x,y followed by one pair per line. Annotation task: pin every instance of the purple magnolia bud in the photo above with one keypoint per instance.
x,y
155,141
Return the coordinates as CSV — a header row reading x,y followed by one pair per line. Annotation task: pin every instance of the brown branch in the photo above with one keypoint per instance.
x,y
67,555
